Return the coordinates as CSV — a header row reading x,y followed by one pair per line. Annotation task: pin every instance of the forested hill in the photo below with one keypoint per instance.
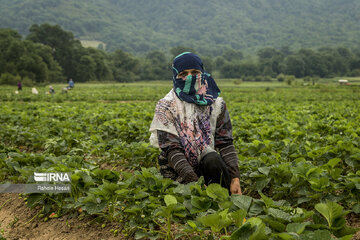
x,y
209,26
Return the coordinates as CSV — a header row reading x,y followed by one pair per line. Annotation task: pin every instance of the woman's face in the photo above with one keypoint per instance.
x,y
187,72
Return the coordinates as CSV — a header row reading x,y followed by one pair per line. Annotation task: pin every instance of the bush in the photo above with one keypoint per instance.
x,y
280,77
290,79
267,78
9,79
355,73
237,81
27,82
249,78
307,79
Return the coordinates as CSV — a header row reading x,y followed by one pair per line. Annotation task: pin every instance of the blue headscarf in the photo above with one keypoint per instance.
x,y
200,89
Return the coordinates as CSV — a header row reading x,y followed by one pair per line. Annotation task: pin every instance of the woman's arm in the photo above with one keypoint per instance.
x,y
170,144
224,143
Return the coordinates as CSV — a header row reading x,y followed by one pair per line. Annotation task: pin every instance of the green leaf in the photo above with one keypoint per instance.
x,y
313,172
318,234
216,221
94,208
34,199
264,170
141,195
225,204
303,200
253,229
133,209
122,192
196,189
183,190
256,208
259,233
333,162
345,231
347,237
202,203
301,215
287,236
241,201
211,220
279,214
353,161
238,217
261,183
216,192
318,184
192,224
244,232
268,201
169,200
273,224
356,208
140,235
332,211
296,227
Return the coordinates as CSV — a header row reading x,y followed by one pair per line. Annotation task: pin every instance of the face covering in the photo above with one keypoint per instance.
x,y
200,89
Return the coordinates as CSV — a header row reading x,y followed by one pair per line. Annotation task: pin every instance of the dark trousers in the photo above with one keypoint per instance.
x,y
214,170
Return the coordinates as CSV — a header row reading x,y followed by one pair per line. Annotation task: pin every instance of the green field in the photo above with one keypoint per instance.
x,y
298,148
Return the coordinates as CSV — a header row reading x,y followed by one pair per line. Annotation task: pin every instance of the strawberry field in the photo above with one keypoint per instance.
x,y
298,148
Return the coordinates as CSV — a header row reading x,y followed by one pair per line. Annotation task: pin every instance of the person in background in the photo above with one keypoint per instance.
x,y
19,85
192,128
34,91
71,83
51,90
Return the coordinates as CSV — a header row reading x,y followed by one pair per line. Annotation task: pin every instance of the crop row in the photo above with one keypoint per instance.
x,y
299,153
147,205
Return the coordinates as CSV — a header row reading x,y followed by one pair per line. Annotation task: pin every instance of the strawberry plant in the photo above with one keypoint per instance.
x,y
298,148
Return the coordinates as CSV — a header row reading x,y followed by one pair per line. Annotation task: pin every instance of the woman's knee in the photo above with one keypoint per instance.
x,y
212,162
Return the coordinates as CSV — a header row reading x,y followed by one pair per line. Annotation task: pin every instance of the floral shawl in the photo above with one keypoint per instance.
x,y
194,125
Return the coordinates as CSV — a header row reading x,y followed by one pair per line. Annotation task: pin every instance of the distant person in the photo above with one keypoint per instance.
x,y
34,91
71,83
192,128
51,90
19,85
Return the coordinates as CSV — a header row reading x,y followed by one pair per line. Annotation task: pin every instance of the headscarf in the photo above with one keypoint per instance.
x,y
200,89
187,111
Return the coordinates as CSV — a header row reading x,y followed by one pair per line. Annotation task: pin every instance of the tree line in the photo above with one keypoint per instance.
x,y
270,62
214,26
50,54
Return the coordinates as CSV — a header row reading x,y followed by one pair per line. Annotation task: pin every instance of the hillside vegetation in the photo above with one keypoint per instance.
x,y
208,26
50,54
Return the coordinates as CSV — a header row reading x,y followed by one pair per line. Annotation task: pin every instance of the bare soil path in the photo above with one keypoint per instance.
x,y
14,215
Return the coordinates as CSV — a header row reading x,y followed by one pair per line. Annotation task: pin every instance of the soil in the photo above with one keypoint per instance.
x,y
353,220
14,215
16,224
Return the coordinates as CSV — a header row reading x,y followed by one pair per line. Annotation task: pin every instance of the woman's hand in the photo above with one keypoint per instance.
x,y
235,186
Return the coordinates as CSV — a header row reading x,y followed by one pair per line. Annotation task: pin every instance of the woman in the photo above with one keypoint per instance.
x,y
19,86
191,122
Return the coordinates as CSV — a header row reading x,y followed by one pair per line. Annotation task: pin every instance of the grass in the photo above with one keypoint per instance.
x,y
96,90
